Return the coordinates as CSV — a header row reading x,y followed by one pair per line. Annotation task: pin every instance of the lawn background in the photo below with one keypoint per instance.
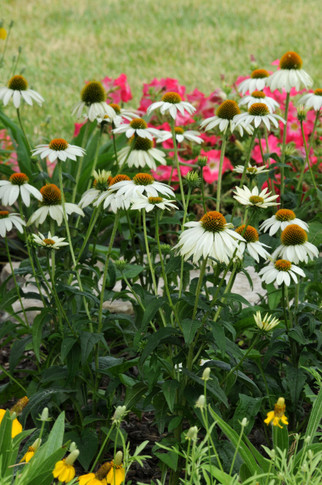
x,y
196,41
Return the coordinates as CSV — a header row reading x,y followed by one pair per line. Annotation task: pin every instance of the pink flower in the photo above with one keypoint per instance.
x,y
163,173
118,89
211,170
205,106
77,128
273,147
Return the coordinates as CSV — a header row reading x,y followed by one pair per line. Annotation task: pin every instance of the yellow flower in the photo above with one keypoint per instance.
x,y
278,414
91,479
31,451
64,469
16,426
3,33
116,475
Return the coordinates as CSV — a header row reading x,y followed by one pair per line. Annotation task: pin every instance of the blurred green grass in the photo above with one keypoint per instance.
x,y
196,41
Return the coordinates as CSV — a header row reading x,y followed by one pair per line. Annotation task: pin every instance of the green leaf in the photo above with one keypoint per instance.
x,y
155,340
37,326
189,329
169,389
170,459
295,379
87,443
280,437
274,296
88,341
315,417
17,351
219,475
247,407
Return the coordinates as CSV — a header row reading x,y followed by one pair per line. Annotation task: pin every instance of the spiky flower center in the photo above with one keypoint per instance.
x,y
143,179
18,178
51,194
179,130
259,74
258,94
251,170
119,178
228,109
19,406
172,98
283,215
93,92
283,265
103,471
102,185
49,242
293,234
116,108
138,124
258,109
256,199
251,235
318,92
291,60
213,221
58,144
18,83
4,214
143,144
155,200
279,408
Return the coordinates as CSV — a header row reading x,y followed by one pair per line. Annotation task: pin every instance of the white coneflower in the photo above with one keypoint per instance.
x,y
181,135
17,90
266,323
255,198
256,82
93,100
142,183
8,221
253,245
51,206
15,186
49,242
150,203
138,127
259,97
224,117
281,271
290,75
211,236
141,153
59,149
258,114
101,183
171,103
109,198
251,170
120,114
312,100
295,246
280,220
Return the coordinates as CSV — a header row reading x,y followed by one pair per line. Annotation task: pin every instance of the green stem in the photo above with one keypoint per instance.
x,y
80,161
200,280
15,281
177,162
115,150
6,44
148,255
98,145
287,102
128,284
222,155
202,191
53,288
227,290
60,175
22,129
236,451
306,162
13,379
182,228
242,180
101,449
109,250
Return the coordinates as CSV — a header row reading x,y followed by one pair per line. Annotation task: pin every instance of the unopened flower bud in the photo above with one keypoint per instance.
x,y
44,415
72,457
118,458
202,161
72,446
290,149
201,402
119,413
244,422
192,179
36,444
165,248
192,433
206,374
301,113
120,264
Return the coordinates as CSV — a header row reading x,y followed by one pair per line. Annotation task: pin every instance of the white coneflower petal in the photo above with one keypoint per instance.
x,y
150,203
17,90
280,220
290,75
172,103
49,242
8,221
15,186
281,271
312,100
59,149
295,246
266,323
253,198
256,82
